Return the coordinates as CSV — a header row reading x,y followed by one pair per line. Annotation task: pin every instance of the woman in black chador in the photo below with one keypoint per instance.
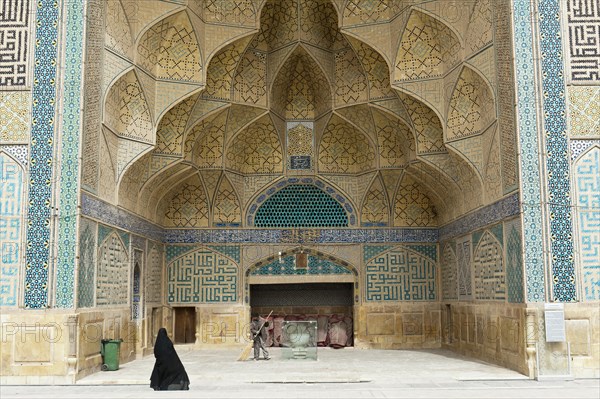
x,y
168,373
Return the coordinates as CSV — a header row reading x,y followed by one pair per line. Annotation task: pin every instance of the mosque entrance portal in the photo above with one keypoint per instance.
x,y
329,304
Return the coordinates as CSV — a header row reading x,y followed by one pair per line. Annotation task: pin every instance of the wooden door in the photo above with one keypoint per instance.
x,y
185,325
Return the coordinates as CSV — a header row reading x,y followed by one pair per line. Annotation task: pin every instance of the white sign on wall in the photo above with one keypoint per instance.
x,y
554,315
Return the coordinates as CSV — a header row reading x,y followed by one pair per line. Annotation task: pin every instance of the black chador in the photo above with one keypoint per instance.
x,y
168,373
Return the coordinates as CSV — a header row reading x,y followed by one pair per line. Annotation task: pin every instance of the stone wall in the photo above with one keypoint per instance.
x,y
38,347
398,326
491,332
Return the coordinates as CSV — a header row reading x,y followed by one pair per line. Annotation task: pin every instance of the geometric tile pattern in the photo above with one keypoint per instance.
x,y
344,149
587,185
202,276
463,255
113,271
365,12
427,125
300,146
226,207
413,207
250,80
584,111
14,43
287,267
278,24
375,209
118,32
529,163
169,50
557,160
319,25
505,95
449,268
293,91
359,115
578,147
428,48
96,68
256,149
232,251
471,106
153,274
41,153
514,261
301,205
69,153
583,22
171,128
127,113
428,250
18,153
236,12
86,274
393,139
400,275
12,178
350,80
310,190
481,29
137,306
488,269
371,251
189,208
205,141
14,118
221,70
376,69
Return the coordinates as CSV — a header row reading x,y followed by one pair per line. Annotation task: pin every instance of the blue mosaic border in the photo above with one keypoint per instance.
x,y
311,236
557,149
41,162
110,214
94,208
287,267
529,148
69,166
493,213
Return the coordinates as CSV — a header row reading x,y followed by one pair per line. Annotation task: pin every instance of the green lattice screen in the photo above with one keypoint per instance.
x,y
301,205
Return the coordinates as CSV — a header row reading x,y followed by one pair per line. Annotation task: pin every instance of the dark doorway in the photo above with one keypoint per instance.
x,y
185,325
330,304
301,295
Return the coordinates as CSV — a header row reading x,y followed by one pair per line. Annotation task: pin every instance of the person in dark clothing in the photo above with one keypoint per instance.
x,y
168,373
258,329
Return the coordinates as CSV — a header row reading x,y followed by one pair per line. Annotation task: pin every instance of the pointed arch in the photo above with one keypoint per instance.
x,y
489,274
226,208
319,196
112,280
375,210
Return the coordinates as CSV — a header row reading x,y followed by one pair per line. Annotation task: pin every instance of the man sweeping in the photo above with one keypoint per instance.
x,y
258,329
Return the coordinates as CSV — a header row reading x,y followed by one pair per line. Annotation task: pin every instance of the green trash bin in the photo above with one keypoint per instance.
x,y
110,350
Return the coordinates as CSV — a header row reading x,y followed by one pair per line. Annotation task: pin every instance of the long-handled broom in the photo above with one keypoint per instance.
x,y
246,352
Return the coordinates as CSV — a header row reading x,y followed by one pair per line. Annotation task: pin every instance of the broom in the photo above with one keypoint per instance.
x,y
246,352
